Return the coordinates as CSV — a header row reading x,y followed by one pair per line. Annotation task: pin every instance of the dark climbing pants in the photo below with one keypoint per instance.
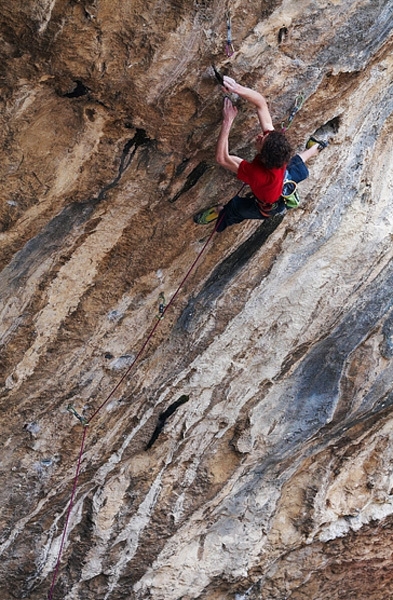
x,y
238,209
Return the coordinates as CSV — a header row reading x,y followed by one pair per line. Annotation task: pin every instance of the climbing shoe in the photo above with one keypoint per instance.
x,y
313,140
207,216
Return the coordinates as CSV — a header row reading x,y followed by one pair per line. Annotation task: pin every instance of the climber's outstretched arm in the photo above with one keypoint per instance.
x,y
255,98
226,160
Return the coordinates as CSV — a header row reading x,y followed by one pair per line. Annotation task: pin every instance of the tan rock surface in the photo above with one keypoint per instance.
x,y
274,480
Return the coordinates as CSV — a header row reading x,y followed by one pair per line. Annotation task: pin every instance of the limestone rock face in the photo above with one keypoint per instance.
x,y
241,446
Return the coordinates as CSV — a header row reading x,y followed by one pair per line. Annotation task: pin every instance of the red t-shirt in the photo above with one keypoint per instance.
x,y
266,184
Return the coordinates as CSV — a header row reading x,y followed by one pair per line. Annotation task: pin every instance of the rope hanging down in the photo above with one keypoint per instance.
x,y
68,514
85,422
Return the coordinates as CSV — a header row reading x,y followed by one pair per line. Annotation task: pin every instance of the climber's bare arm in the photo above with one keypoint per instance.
x,y
226,160
255,98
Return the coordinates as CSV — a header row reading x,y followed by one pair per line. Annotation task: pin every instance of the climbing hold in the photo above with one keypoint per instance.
x,y
114,315
32,427
121,362
218,76
79,90
282,35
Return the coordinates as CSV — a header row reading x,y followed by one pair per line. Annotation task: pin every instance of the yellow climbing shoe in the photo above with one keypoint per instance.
x,y
321,143
207,216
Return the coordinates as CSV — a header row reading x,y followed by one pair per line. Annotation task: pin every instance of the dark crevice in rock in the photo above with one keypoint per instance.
x,y
180,167
334,124
140,139
79,90
192,179
164,416
225,272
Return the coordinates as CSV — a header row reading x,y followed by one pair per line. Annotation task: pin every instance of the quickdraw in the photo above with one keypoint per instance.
x,y
161,306
299,101
72,410
229,49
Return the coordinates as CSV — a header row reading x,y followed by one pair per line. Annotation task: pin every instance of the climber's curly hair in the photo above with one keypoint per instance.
x,y
276,150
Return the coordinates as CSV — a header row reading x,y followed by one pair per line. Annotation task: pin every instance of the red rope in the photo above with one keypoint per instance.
x,y
70,505
78,468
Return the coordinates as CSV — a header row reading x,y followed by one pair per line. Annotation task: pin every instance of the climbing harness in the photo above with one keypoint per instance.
x,y
72,410
229,49
86,422
299,101
161,306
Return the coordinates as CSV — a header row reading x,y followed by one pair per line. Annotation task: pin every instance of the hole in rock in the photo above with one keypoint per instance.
x,y
79,90
90,114
333,124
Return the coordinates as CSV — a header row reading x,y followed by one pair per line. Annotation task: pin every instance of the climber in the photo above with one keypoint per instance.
x,y
265,174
